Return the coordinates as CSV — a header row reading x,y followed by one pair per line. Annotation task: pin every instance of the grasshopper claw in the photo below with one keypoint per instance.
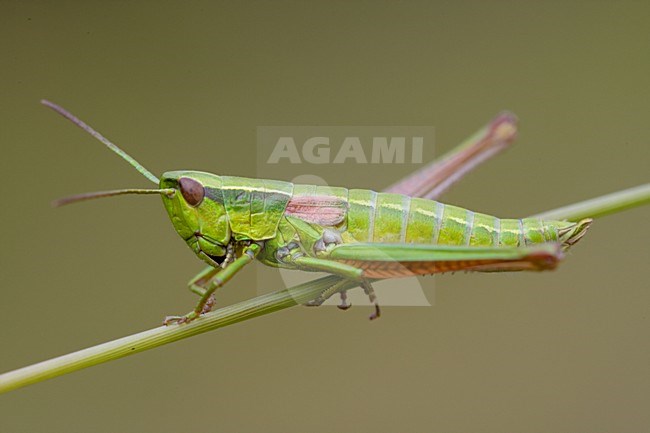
x,y
169,320
367,287
206,308
315,302
376,314
344,305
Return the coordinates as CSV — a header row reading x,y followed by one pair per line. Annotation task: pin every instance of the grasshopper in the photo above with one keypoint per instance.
x,y
356,234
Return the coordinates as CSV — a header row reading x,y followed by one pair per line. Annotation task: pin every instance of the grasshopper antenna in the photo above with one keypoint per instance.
x,y
81,124
169,192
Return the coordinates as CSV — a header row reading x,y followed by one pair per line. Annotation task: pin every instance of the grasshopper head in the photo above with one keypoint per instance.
x,y
197,212
193,199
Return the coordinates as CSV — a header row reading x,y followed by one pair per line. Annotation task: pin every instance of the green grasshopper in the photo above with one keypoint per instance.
x,y
356,234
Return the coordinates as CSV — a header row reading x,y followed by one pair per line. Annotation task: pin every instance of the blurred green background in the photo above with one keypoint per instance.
x,y
186,84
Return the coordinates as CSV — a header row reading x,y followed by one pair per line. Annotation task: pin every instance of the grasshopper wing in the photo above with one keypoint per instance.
x,y
321,210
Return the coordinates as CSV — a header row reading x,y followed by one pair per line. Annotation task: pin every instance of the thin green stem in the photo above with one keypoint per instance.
x,y
601,206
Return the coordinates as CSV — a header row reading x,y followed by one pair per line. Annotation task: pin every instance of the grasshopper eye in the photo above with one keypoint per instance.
x,y
192,191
